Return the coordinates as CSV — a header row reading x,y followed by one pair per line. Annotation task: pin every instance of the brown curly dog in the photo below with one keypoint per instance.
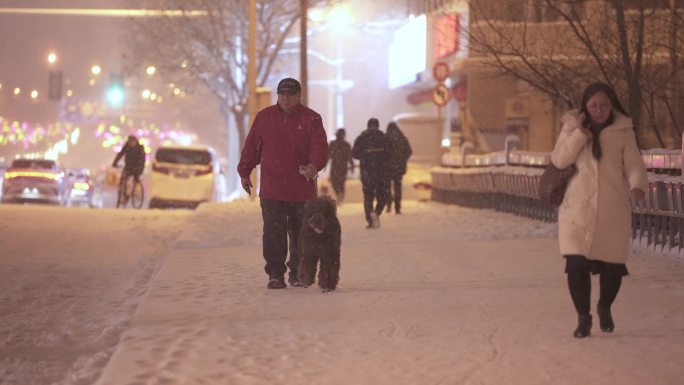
x,y
320,239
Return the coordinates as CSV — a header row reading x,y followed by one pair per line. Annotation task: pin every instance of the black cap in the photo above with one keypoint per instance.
x,y
289,86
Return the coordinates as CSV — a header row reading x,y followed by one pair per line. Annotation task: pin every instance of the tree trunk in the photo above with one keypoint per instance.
x,y
303,64
672,92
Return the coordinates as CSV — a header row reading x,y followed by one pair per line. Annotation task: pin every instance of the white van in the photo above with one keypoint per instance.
x,y
185,176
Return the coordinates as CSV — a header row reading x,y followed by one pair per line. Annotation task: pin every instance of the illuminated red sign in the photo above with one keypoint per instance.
x,y
446,35
440,71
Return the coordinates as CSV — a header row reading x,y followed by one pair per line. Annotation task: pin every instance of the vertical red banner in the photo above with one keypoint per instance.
x,y
446,35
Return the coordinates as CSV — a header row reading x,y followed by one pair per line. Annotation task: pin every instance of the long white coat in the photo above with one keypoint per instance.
x,y
594,219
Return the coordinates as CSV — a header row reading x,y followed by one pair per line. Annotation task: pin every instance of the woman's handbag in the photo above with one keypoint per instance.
x,y
553,182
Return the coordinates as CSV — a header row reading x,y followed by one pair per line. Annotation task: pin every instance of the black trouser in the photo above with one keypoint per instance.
x,y
127,172
579,283
338,187
394,186
374,187
281,220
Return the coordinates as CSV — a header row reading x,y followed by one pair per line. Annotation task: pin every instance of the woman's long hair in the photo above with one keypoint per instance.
x,y
393,129
596,128
594,88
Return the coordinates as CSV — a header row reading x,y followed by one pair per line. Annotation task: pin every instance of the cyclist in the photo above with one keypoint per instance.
x,y
134,160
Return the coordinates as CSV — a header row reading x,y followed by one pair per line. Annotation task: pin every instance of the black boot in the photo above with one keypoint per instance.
x,y
605,319
579,283
583,326
610,286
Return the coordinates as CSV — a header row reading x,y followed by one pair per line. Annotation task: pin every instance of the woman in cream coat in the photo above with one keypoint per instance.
x,y
595,216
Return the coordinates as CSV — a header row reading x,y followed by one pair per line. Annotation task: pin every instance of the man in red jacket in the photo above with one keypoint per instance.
x,y
289,142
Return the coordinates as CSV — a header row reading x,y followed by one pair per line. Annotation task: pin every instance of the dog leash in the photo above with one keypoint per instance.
x,y
315,179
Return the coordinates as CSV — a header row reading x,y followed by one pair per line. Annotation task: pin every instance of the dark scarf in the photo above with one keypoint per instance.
x,y
596,130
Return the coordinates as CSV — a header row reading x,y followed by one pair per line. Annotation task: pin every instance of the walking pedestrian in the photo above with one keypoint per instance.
x,y
595,216
372,149
400,152
289,141
340,162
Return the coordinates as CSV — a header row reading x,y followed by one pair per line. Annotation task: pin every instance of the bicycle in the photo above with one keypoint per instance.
x,y
130,188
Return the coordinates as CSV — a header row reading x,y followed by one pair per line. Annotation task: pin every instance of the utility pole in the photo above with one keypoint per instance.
x,y
251,64
303,66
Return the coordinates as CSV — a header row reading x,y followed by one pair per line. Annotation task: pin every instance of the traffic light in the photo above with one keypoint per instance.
x,y
115,92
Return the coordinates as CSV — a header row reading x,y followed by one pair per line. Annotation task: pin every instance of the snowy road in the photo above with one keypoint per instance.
x,y
438,295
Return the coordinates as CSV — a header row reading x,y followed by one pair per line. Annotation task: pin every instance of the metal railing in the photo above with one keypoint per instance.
x,y
509,182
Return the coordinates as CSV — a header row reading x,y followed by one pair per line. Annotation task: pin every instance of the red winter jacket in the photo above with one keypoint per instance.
x,y
281,143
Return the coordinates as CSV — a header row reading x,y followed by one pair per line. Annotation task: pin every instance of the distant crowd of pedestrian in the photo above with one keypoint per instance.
x,y
383,158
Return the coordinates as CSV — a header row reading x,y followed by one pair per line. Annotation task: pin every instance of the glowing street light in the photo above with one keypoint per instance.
x,y
151,70
52,58
340,17
95,70
17,91
146,94
34,94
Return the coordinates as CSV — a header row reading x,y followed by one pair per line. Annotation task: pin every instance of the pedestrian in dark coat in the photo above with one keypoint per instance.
x,y
289,142
340,161
372,149
400,152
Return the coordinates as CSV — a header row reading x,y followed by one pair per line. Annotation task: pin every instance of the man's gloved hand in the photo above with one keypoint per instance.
x,y
246,184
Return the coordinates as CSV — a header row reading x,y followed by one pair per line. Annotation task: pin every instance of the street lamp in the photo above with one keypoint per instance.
x,y
339,19
151,70
54,78
95,70
335,20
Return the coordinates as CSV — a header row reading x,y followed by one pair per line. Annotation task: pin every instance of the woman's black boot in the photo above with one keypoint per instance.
x,y
579,283
605,319
610,286
583,326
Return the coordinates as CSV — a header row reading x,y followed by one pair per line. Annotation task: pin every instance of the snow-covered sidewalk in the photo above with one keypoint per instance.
x,y
438,295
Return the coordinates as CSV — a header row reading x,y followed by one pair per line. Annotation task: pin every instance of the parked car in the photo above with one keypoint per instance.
x,y
33,180
185,176
79,188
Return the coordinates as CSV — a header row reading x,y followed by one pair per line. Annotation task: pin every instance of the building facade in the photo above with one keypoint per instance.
x,y
488,101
